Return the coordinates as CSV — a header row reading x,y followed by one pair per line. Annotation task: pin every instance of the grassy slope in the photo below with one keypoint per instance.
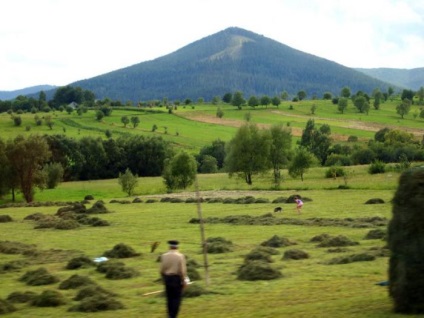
x,y
308,288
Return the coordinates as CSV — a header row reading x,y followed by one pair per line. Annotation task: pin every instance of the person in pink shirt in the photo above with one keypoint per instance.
x,y
299,204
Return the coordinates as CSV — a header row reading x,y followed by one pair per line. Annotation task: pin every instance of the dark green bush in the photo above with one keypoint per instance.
x,y
66,224
334,172
261,253
121,273
277,241
48,298
38,277
6,307
194,290
320,238
97,208
257,270
121,250
5,218
103,267
21,297
351,259
377,167
375,234
97,303
405,241
80,262
279,200
337,241
216,245
90,291
295,254
375,201
75,281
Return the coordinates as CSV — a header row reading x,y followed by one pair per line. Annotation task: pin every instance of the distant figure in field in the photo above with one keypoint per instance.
x,y
278,209
299,204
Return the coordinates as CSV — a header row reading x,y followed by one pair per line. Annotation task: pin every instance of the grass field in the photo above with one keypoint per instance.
x,y
308,288
192,127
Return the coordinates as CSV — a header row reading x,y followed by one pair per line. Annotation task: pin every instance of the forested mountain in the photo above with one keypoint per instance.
x,y
411,79
230,60
6,95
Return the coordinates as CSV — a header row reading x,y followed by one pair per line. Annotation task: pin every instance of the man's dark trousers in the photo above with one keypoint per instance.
x,y
174,290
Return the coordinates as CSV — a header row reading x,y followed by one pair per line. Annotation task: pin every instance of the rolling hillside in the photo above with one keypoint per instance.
x,y
411,79
6,95
230,60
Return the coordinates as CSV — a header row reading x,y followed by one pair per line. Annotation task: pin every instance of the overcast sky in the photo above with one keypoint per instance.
x,y
58,42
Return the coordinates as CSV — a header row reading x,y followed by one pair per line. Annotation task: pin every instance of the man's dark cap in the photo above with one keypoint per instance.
x,y
173,243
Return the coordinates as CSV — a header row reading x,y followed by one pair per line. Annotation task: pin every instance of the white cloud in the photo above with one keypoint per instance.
x,y
61,41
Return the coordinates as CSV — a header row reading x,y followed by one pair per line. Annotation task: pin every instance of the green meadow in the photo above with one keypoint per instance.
x,y
310,287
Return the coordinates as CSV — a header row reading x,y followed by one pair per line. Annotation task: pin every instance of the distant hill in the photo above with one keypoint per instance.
x,y
410,79
6,95
230,60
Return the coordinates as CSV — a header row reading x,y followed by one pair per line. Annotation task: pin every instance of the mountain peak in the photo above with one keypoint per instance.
x,y
230,60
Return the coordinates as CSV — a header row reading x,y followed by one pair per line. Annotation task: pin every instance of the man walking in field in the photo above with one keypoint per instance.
x,y
174,271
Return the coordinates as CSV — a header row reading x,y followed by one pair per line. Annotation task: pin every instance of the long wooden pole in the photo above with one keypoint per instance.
x,y
202,233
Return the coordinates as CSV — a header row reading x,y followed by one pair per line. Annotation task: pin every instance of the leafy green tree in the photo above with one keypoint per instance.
x,y
53,173
238,99
179,171
301,95
69,109
407,94
265,100
317,141
345,92
342,104
420,95
301,162
135,120
248,152
313,109
219,112
125,120
378,96
49,121
276,101
216,100
284,95
227,98
99,115
6,178
327,96
359,103
253,101
26,158
216,150
94,156
281,140
128,182
17,120
403,108
209,164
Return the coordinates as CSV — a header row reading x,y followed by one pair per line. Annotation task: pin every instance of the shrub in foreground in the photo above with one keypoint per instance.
x,y
405,240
